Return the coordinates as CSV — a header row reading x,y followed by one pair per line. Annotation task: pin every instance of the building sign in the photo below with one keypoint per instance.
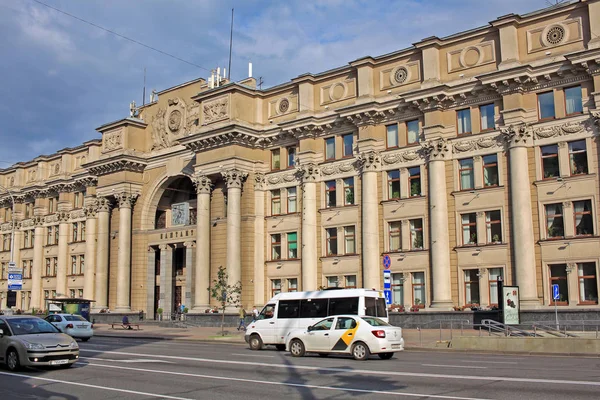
x,y
180,214
512,308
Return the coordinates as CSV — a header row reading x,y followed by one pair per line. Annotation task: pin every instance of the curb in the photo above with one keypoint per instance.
x,y
165,338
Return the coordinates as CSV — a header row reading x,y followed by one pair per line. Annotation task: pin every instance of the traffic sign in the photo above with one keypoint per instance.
x,y
388,296
555,292
387,279
15,281
387,262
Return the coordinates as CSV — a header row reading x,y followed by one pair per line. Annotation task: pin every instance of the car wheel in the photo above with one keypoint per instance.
x,y
360,351
323,354
385,356
280,347
255,342
12,360
85,339
297,348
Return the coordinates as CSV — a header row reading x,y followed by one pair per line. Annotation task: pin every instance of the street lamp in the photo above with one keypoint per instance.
x,y
12,231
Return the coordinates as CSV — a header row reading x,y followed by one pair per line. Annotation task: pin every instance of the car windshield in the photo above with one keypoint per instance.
x,y
375,321
30,326
75,318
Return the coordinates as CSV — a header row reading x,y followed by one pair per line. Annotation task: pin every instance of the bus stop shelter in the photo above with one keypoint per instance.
x,y
70,306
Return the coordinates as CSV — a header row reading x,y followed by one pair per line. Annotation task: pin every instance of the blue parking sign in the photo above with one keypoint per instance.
x,y
555,292
388,296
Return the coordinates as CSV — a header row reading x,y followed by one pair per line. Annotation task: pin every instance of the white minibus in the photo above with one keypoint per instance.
x,y
298,310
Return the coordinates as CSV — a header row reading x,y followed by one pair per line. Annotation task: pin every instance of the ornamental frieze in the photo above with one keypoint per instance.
x,y
339,168
398,157
281,178
112,140
478,144
116,166
559,130
215,110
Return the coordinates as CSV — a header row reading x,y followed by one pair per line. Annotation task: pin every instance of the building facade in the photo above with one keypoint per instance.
x,y
466,159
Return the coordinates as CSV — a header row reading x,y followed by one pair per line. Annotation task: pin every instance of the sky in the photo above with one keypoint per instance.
x,y
61,78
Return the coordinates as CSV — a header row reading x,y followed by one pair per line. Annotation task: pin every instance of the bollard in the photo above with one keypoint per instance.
x,y
420,337
451,329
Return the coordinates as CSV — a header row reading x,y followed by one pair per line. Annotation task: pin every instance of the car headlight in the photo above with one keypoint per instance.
x,y
74,345
33,346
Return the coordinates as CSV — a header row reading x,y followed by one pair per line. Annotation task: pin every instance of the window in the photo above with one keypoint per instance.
x,y
46,294
56,233
471,287
48,267
398,289
4,271
80,292
490,170
314,308
348,141
395,234
73,265
350,281
494,275
78,200
348,191
465,172
27,266
412,131
6,239
29,210
330,148
291,157
416,234
343,305
72,293
584,224
418,284
487,117
276,247
349,242
291,200
292,245
50,238
392,136
332,281
51,204
463,121
275,286
493,226
275,160
75,237
292,285
469,228
414,181
550,161
27,239
554,221
331,241
546,105
573,100
578,157
330,194
588,285
82,264
558,276
275,202
394,184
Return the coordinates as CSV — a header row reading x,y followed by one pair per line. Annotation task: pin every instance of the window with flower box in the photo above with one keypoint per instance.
x,y
588,284
414,181
469,228
416,234
348,191
393,184
398,289
494,275
584,223
418,286
493,226
471,287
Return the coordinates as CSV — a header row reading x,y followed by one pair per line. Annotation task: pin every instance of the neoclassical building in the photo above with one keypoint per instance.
x,y
465,159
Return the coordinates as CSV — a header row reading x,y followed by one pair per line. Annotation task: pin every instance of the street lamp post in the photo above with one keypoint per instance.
x,y
12,231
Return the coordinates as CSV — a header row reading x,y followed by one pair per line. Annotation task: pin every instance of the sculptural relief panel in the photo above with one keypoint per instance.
x,y
173,122
554,34
401,74
215,110
471,56
112,140
338,91
286,104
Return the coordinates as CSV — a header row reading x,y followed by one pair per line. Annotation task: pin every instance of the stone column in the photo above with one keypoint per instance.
x,y
150,282
166,278
91,209
259,240
38,259
234,179
201,275
126,201
310,173
188,298
63,254
370,162
102,255
518,138
438,152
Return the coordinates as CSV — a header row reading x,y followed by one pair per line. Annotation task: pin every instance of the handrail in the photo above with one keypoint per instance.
x,y
508,329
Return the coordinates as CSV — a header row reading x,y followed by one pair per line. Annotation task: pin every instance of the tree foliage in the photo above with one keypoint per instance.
x,y
225,294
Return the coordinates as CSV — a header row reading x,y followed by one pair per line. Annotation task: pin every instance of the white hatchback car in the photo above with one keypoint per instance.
x,y
73,325
347,334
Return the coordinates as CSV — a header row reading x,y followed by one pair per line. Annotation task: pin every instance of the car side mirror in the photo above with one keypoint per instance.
x,y
311,328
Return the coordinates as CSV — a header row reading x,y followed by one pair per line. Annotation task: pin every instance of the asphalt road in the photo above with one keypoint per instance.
x,y
141,369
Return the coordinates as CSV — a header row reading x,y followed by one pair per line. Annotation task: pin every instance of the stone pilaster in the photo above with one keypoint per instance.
x,y
259,239
370,164
150,282
166,278
102,252
188,297
234,179
126,201
38,258
63,255
310,174
201,299
91,211
438,151
518,138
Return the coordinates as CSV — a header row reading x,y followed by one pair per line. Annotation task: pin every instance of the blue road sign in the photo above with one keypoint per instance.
x,y
555,292
388,296
15,281
387,279
387,262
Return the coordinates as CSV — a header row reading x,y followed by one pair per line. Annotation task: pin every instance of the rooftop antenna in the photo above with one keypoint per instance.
x,y
230,46
144,94
250,69
260,82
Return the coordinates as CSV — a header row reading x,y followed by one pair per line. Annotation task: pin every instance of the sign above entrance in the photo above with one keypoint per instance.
x,y
180,214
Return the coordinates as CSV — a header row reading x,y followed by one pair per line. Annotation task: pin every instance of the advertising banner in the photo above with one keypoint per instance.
x,y
512,307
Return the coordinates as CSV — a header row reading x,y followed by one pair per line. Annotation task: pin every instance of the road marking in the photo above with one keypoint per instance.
x,y
489,362
355,371
139,360
339,389
250,355
454,366
155,395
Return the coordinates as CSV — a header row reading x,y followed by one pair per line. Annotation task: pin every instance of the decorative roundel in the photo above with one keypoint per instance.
x,y
175,120
284,106
401,75
555,35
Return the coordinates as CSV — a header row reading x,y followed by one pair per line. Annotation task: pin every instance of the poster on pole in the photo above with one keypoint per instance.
x,y
512,307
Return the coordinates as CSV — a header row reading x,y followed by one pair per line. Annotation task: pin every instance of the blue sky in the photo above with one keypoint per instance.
x,y
61,78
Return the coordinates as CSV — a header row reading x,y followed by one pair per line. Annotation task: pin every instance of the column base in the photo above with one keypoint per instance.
x,y
530,304
96,309
123,309
443,304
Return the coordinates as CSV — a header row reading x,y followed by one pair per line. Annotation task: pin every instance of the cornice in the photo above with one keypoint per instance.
x,y
122,122
117,163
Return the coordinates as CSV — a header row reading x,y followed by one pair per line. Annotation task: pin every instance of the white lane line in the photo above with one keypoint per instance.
x,y
489,362
338,389
250,355
453,366
355,371
154,395
140,360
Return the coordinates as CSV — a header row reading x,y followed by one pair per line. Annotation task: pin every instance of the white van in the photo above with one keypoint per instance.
x,y
298,310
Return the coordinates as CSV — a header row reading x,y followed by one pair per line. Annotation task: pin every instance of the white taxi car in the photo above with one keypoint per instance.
x,y
347,334
73,325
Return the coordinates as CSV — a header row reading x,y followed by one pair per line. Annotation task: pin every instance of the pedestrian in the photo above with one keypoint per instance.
x,y
126,323
242,319
254,314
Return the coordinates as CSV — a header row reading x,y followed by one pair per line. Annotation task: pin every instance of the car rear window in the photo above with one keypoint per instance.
x,y
75,318
375,321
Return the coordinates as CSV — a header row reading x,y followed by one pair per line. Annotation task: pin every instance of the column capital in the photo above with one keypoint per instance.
x,y
38,221
151,250
125,199
91,208
309,172
369,161
103,204
63,216
203,183
517,135
437,149
259,181
165,247
190,244
596,118
234,178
